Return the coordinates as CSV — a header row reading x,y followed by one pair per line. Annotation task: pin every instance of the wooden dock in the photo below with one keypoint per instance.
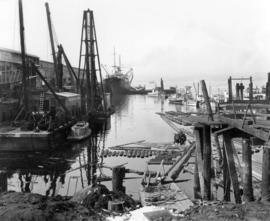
x,y
214,135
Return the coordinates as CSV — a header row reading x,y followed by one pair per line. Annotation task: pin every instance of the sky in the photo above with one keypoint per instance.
x,y
182,41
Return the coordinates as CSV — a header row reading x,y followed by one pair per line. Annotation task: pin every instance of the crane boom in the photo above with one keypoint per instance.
x,y
52,42
24,68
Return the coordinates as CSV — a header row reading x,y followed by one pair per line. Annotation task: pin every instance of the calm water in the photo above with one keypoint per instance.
x,y
63,171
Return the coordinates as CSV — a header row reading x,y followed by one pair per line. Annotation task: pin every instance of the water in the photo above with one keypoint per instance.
x,y
62,171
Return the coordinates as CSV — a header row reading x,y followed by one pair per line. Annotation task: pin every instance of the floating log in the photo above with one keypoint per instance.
x,y
177,168
146,154
129,154
121,145
134,153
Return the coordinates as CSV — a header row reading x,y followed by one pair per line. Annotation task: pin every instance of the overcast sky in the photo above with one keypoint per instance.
x,y
182,41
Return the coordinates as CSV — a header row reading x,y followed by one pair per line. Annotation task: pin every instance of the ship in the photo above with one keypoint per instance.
x,y
118,82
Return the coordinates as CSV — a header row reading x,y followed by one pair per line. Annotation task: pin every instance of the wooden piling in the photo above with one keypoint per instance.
x,y
247,171
218,148
198,133
206,100
226,178
231,166
3,182
230,89
207,162
118,174
196,187
266,174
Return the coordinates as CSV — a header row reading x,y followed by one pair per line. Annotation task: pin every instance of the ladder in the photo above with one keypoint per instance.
x,y
41,102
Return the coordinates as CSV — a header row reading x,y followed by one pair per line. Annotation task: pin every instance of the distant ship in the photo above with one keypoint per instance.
x,y
118,82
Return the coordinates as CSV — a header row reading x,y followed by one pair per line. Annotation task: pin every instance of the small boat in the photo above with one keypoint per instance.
x,y
79,131
176,99
153,93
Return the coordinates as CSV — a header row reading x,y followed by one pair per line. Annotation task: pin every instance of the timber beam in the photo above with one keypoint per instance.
x,y
263,135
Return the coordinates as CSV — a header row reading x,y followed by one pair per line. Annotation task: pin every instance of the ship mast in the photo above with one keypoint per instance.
x,y
24,67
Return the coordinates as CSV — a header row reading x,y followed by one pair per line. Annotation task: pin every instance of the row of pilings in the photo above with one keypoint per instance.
x,y
203,172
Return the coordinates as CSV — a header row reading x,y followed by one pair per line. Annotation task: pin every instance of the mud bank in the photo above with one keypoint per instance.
x,y
28,206
90,204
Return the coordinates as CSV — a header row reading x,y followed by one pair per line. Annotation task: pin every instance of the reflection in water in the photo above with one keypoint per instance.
x,y
75,166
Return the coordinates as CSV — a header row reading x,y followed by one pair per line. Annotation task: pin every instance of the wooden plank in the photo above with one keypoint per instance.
x,y
246,128
231,166
243,104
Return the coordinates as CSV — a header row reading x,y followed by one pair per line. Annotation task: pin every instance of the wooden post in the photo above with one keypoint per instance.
x,y
266,174
231,166
3,182
118,174
197,187
198,133
226,177
230,89
206,100
247,171
218,148
207,162
237,88
251,89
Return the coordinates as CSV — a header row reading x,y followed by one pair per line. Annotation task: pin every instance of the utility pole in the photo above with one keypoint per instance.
x,y
24,67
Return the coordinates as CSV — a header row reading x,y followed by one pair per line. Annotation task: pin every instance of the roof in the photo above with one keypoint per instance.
x,y
16,52
67,94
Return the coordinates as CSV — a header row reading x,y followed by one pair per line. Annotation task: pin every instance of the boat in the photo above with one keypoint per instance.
x,y
153,93
118,82
175,99
138,90
79,131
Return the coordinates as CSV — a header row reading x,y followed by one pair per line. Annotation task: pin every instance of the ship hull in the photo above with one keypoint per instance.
x,y
17,140
117,86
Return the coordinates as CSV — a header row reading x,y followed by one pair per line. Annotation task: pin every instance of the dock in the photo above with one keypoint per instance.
x,y
215,133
